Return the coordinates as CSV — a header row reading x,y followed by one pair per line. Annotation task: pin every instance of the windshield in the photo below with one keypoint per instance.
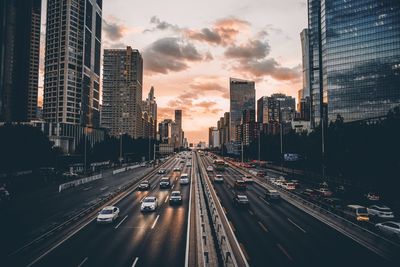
x,y
242,198
106,211
148,200
362,211
175,194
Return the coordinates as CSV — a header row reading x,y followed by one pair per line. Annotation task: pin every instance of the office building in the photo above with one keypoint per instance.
x,y
213,137
19,59
72,62
354,58
122,92
242,96
149,106
165,131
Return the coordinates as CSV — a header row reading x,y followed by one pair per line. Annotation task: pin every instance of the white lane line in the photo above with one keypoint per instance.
x,y
172,186
292,222
263,226
103,188
166,199
284,251
155,222
135,261
126,216
266,202
83,262
87,188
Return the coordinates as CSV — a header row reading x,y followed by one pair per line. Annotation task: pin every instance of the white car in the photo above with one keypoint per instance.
x,y
188,164
210,168
175,198
380,211
149,204
108,214
184,179
177,169
143,164
248,179
289,186
389,228
218,178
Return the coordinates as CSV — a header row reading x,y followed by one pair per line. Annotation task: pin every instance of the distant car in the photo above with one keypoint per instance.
x,y
324,192
4,194
165,183
372,196
241,200
184,179
210,168
391,229
143,164
144,185
380,211
149,204
295,183
261,173
289,186
272,194
70,175
175,198
162,171
240,185
340,189
311,193
248,179
188,164
335,203
177,169
218,178
108,214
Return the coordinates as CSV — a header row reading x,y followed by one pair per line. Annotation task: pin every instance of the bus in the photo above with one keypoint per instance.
x,y
219,165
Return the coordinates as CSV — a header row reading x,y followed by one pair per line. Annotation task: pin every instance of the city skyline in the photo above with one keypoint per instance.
x,y
203,63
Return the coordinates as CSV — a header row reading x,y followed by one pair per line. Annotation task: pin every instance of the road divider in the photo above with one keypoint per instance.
x,y
64,186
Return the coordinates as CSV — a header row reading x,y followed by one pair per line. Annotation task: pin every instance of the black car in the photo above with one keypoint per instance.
x,y
144,185
241,201
272,195
165,183
240,185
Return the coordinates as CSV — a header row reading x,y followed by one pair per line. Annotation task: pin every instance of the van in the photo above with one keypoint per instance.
x,y
357,212
184,179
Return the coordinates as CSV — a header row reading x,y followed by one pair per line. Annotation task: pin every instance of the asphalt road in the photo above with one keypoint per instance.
x,y
136,239
28,218
279,234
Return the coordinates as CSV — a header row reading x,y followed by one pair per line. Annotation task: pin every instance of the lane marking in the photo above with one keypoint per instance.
x,y
103,188
266,202
155,221
251,213
87,188
284,251
126,216
172,186
135,261
83,262
263,226
292,222
166,199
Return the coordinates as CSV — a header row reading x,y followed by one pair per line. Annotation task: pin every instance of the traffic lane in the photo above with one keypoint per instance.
x,y
301,233
108,242
258,245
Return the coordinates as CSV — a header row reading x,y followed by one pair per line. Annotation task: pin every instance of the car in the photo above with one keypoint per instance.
x,y
70,175
389,228
340,189
177,169
4,194
324,192
272,194
241,200
148,204
184,179
248,179
261,173
380,212
165,183
357,212
372,196
144,185
143,164
162,171
182,161
210,168
175,198
289,186
218,178
295,183
311,193
108,214
333,202
188,164
240,185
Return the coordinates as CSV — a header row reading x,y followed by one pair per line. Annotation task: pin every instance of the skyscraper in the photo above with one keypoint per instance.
x,y
72,63
242,96
150,107
122,92
177,132
355,58
305,52
19,59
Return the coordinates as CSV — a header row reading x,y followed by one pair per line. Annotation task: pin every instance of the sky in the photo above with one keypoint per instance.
x,y
191,48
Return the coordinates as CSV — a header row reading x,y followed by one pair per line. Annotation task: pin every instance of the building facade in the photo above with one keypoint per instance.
x,y
149,106
355,48
72,62
242,96
19,59
122,92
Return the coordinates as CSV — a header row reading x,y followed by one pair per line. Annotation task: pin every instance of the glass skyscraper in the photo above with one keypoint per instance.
x,y
357,43
242,96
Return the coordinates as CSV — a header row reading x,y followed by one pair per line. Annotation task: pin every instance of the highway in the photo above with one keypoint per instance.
x,y
279,234
136,239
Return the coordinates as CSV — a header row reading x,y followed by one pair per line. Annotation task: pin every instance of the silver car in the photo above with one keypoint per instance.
x,y
389,228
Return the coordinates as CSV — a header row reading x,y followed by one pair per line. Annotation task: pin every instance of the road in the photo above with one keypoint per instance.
x,y
136,239
279,234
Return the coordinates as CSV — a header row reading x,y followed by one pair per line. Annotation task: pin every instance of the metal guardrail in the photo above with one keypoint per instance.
x,y
64,186
332,219
228,246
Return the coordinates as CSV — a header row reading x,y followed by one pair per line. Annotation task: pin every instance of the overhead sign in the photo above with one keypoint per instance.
x,y
291,157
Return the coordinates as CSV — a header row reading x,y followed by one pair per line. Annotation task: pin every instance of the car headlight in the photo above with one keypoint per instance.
x,y
153,207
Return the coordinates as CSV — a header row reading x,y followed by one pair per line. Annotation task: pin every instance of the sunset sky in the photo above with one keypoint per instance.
x,y
191,48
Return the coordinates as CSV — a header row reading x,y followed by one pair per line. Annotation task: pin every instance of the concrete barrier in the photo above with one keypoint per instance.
x,y
64,186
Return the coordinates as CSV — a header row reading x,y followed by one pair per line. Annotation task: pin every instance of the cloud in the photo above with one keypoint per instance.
x,y
170,55
161,25
253,49
113,30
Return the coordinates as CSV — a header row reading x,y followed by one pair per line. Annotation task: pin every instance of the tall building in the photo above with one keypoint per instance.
x,y
178,128
150,107
242,96
213,137
19,59
355,58
72,62
275,108
122,92
305,52
165,131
